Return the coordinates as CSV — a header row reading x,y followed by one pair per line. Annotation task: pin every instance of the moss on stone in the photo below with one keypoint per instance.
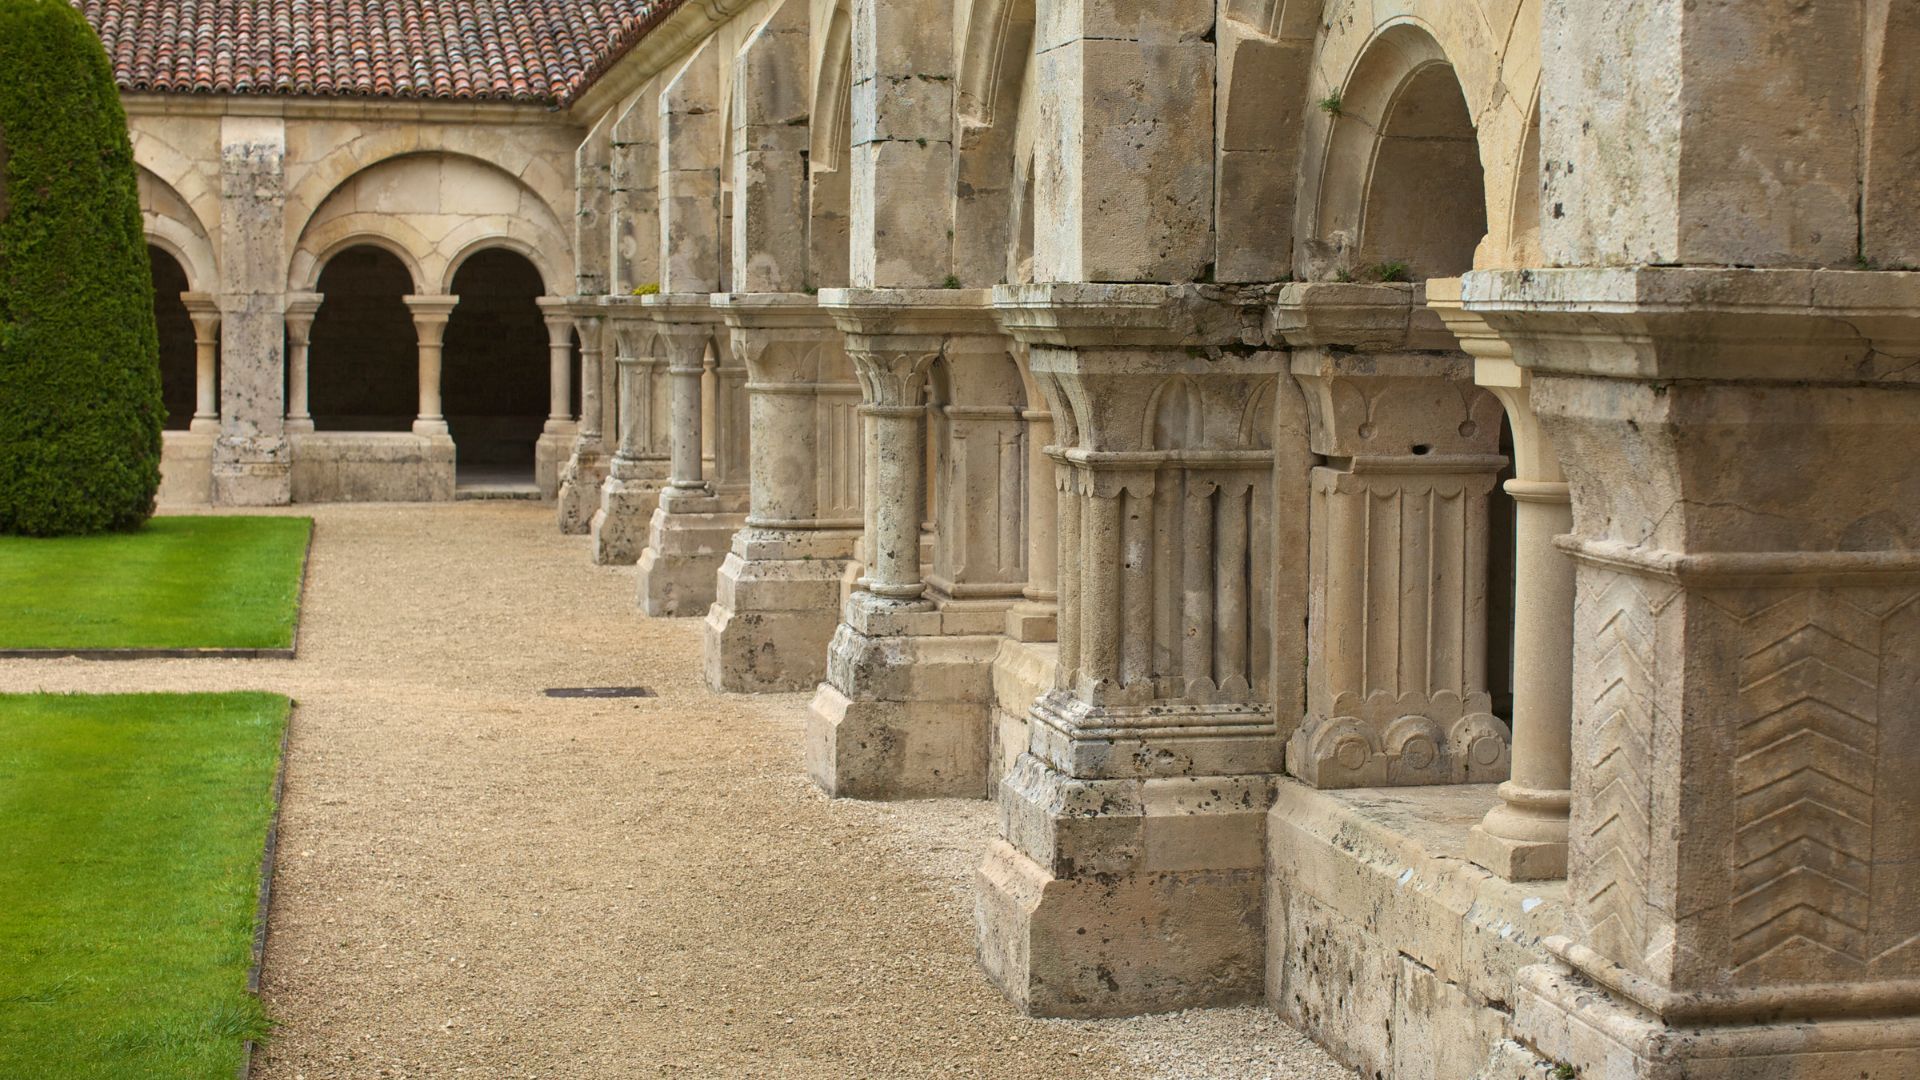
x,y
80,411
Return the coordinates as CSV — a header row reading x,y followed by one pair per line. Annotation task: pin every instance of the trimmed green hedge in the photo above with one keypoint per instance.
x,y
80,411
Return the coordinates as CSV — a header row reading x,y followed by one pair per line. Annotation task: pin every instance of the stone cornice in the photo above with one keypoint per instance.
x,y
1366,318
1095,315
382,110
1677,323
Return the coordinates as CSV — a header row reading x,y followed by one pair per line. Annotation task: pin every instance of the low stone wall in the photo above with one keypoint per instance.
x,y
186,468
1383,943
372,466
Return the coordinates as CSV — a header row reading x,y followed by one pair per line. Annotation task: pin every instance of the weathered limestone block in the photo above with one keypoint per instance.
x,y
777,598
1396,672
693,525
1741,872
1124,83
900,228
638,470
1136,809
372,466
186,468
587,464
1383,942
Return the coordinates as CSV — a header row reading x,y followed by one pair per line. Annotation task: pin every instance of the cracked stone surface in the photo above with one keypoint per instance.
x,y
474,878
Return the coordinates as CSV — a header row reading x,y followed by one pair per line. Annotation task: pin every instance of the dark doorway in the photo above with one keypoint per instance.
x,y
177,355
495,373
363,366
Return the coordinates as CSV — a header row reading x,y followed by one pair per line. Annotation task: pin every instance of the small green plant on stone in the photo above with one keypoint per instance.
x,y
1331,104
651,288
1564,1071
1343,275
80,410
952,282
1391,271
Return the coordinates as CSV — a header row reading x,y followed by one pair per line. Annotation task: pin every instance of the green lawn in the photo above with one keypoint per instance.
x,y
176,583
131,831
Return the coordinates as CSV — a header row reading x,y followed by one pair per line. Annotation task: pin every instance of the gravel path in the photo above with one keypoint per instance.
x,y
477,880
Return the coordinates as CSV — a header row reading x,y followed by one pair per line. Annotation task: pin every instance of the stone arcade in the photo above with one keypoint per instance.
x,y
1407,507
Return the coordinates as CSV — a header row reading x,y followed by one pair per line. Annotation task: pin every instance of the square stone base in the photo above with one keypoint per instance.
x,y
686,543
186,468
902,716
1119,897
372,466
1569,1020
774,610
619,528
1384,943
550,453
579,495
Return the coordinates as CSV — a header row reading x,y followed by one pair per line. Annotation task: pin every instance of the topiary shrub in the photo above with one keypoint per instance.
x,y
80,411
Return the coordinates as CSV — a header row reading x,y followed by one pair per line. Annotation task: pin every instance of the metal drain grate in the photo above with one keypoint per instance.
x,y
599,691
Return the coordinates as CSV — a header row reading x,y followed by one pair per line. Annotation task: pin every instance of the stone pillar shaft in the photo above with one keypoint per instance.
x,y
430,315
559,367
204,311
684,373
585,469
301,311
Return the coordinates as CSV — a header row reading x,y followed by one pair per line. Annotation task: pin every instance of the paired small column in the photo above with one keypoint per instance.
x,y
1525,837
430,315
1037,619
205,313
554,311
301,310
586,465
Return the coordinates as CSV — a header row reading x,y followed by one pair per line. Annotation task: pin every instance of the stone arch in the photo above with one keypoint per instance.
x,y
832,133
514,240
1363,68
1403,181
1176,416
172,225
185,181
830,175
993,73
178,356
427,209
1523,218
553,187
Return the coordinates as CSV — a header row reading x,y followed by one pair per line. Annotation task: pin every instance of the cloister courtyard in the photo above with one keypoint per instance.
x,y
473,878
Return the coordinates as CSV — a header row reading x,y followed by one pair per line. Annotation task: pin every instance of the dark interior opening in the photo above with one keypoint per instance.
x,y
1501,584
176,338
493,380
363,366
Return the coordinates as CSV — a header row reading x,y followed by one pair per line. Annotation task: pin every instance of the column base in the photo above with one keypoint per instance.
x,y
687,541
299,425
251,471
774,610
1521,845
1022,671
430,428
204,425
579,494
1121,897
550,453
903,712
1566,1018
619,526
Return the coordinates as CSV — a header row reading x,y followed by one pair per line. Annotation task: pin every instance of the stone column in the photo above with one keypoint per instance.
x,y
638,470
556,436
777,599
693,525
904,708
204,310
1132,834
586,466
1036,619
301,309
1525,837
1742,849
251,462
430,315
1397,619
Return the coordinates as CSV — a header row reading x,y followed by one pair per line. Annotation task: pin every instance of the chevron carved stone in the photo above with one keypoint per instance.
x,y
1617,613
1804,774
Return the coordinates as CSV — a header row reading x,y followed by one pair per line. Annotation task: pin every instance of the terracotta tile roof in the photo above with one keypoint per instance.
x,y
476,50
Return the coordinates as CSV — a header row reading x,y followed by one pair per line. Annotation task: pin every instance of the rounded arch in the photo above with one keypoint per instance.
x,y
552,186
172,225
360,230
512,240
431,209
1357,71
1402,186
495,363
832,132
